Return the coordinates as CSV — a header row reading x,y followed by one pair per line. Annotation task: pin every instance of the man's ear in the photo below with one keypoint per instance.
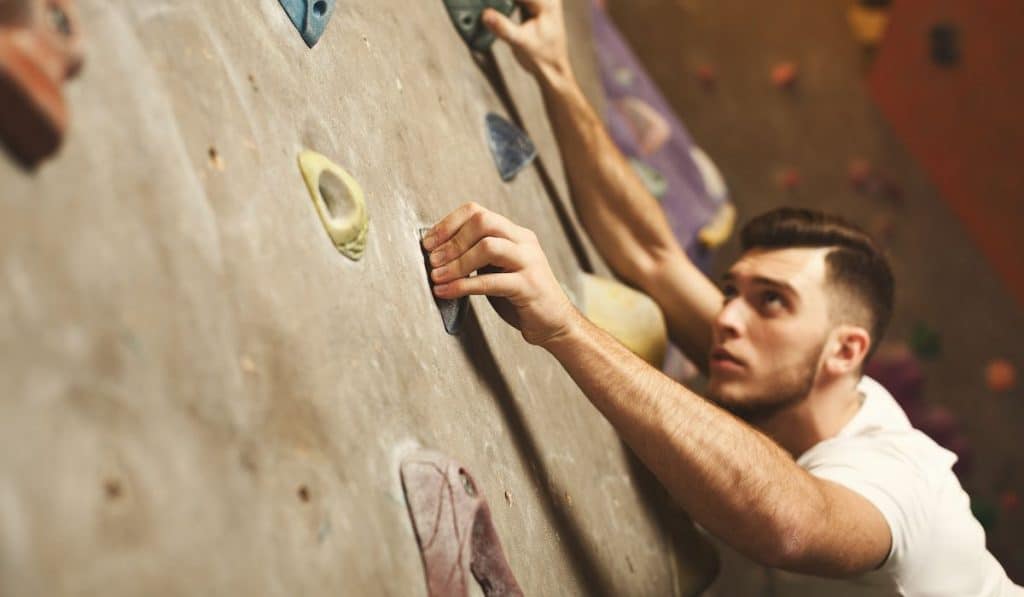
x,y
848,349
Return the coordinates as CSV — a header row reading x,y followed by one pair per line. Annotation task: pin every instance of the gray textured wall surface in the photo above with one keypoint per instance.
x,y
201,396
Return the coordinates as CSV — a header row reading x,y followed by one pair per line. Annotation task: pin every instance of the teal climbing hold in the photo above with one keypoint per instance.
x,y
310,17
925,341
985,512
655,182
466,15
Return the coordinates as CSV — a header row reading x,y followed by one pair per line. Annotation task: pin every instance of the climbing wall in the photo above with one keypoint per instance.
x,y
203,396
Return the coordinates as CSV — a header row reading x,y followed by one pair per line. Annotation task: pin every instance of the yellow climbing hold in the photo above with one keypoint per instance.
x,y
339,201
868,24
630,316
719,229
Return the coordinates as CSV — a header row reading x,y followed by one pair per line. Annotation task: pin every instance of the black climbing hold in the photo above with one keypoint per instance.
x,y
466,14
945,45
453,312
511,148
310,17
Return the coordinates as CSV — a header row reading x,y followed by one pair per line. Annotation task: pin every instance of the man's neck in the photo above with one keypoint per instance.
x,y
821,416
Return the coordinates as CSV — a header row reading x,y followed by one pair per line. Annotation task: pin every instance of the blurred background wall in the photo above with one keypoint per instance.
x,y
778,96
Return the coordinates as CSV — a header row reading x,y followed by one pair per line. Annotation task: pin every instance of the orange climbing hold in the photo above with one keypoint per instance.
x,y
868,23
784,75
1000,375
40,48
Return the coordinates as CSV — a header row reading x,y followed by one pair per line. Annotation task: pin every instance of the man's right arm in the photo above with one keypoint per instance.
x,y
623,219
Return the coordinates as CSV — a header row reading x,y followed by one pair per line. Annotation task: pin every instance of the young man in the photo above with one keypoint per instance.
x,y
794,459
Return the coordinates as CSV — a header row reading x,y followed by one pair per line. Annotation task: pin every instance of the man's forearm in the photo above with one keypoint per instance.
x,y
733,480
621,216
625,221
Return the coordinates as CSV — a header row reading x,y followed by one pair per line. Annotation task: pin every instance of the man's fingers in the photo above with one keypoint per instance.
x,y
534,7
490,251
505,28
446,228
500,285
480,223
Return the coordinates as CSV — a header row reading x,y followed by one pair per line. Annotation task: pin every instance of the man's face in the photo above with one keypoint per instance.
x,y
768,339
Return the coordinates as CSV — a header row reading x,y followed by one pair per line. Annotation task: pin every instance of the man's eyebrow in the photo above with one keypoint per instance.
x,y
765,281
785,286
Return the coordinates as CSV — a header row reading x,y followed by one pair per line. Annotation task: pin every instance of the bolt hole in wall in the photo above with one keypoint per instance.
x,y
112,488
303,493
336,196
320,8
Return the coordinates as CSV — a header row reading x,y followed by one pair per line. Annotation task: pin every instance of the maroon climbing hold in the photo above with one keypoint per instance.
x,y
40,48
707,76
860,172
789,179
454,529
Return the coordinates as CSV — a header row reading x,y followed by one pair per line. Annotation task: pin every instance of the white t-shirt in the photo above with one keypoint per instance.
x,y
938,547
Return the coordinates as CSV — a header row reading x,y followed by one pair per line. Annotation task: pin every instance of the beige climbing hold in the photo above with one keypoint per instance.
x,y
632,317
719,229
339,201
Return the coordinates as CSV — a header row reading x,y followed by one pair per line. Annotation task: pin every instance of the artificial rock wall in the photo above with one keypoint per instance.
x,y
202,396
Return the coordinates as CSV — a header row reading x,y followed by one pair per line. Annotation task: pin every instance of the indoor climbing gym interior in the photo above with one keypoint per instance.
x,y
498,298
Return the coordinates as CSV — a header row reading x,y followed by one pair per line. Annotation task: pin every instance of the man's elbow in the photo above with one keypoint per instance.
x,y
788,550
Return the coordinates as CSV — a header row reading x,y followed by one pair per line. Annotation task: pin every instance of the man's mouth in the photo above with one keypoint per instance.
x,y
721,356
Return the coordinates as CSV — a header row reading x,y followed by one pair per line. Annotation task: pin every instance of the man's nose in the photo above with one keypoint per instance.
x,y
730,321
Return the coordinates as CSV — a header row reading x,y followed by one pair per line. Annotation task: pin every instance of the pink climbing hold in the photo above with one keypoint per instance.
x,y
784,75
453,527
1000,376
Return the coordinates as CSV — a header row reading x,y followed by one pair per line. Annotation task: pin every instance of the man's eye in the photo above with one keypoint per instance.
x,y
729,292
771,298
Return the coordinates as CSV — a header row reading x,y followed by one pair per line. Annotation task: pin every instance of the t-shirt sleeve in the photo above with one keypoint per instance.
x,y
887,470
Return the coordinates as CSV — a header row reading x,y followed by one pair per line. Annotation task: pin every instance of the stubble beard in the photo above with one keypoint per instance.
x,y
790,389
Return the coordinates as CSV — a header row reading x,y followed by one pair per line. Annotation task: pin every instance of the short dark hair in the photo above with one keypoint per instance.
x,y
856,264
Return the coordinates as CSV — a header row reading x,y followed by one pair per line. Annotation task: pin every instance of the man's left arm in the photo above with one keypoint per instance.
x,y
733,480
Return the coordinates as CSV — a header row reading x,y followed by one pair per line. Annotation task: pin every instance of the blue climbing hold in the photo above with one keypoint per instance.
x,y
310,17
511,148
